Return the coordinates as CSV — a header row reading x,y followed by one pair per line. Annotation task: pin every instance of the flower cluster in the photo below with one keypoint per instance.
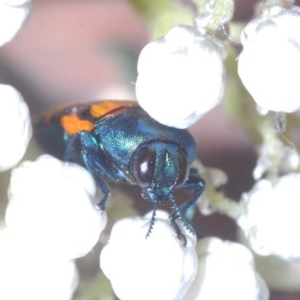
x,y
160,258
226,270
50,221
13,15
187,65
181,76
14,114
51,218
269,64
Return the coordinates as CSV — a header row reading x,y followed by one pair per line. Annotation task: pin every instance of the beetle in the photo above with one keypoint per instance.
x,y
119,141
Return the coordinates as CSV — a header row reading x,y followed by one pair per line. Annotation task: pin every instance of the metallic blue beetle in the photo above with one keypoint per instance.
x,y
118,141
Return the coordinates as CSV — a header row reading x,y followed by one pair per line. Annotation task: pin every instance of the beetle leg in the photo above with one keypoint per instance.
x,y
93,159
195,182
70,153
188,208
176,215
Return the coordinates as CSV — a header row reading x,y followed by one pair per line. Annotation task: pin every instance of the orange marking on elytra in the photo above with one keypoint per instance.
x,y
98,110
72,124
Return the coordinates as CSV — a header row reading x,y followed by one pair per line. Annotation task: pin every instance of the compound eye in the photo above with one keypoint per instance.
x,y
143,166
183,167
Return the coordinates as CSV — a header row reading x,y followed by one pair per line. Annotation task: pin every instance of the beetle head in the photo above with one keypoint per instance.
x,y
158,167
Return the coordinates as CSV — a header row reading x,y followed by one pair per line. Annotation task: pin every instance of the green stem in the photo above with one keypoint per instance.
x,y
162,15
217,200
272,144
213,14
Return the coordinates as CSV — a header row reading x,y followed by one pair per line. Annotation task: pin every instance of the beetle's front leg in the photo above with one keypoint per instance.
x,y
93,159
185,212
196,183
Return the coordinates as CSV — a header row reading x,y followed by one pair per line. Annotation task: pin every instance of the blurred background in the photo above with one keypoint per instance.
x,y
81,50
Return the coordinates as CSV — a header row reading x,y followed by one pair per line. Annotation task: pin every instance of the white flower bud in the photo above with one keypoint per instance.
x,y
51,206
270,227
27,274
280,274
15,127
13,14
270,219
274,153
157,267
269,64
180,76
226,271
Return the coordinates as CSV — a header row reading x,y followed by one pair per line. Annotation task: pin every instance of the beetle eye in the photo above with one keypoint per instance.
x,y
183,167
143,166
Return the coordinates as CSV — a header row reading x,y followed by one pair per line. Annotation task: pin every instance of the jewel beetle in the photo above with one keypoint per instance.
x,y
119,141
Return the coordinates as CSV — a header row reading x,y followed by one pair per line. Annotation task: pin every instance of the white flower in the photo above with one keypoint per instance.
x,y
270,220
13,14
280,274
180,76
26,274
226,271
50,206
158,267
275,153
269,64
15,126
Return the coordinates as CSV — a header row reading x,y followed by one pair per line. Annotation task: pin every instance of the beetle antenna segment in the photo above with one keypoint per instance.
x,y
152,221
